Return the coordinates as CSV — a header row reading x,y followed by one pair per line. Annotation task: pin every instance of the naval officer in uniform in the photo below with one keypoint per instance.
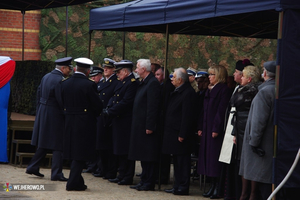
x,y
47,132
120,109
81,105
108,168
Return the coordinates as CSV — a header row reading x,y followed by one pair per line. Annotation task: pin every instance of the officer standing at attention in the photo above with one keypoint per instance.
x,y
47,132
81,105
108,168
120,109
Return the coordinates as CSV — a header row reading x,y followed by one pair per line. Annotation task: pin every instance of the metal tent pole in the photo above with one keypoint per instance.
x,y
67,24
90,39
23,33
163,99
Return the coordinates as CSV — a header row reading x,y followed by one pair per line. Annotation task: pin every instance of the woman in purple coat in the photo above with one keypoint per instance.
x,y
211,127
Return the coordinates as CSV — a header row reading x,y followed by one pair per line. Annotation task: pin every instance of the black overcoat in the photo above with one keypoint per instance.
x,y
180,121
104,132
49,122
82,105
120,108
145,147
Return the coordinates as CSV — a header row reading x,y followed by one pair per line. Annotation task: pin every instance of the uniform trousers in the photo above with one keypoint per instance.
x,y
109,164
75,179
148,175
57,162
126,168
182,171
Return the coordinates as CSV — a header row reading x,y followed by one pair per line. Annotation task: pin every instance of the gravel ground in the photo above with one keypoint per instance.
x,y
98,188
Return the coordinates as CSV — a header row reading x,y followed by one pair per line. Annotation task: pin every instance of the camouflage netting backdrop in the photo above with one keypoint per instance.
x,y
186,51
24,84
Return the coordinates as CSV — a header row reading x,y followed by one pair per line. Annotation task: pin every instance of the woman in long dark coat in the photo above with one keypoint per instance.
x,y
241,100
211,127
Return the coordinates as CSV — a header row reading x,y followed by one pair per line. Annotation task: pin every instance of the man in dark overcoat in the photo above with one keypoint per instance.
x,y
120,109
144,140
49,122
108,168
81,105
179,130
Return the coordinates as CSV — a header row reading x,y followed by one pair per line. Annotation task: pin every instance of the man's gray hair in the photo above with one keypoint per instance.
x,y
270,74
58,66
181,73
129,70
145,63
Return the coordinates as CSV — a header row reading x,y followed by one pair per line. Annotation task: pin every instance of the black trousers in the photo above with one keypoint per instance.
x,y
109,164
126,168
57,162
163,168
182,171
75,178
148,175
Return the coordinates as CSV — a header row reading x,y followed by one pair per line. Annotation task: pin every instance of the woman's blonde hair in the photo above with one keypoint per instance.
x,y
220,73
252,72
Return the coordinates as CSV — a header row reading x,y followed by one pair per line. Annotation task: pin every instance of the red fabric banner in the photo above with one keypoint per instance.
x,y
7,69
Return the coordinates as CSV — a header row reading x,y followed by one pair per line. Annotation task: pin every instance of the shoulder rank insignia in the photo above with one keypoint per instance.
x,y
133,79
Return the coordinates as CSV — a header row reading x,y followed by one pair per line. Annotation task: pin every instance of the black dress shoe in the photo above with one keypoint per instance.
x,y
170,190
138,174
87,171
60,179
114,180
181,192
136,186
145,188
124,182
97,174
34,173
108,177
82,188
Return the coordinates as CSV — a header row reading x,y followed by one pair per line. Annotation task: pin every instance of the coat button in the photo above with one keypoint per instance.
x,y
103,93
85,110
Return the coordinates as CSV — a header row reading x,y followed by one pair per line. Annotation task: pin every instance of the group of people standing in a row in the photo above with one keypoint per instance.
x,y
247,115
126,118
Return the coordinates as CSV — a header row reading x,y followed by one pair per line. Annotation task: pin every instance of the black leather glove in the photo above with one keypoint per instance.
x,y
259,151
105,112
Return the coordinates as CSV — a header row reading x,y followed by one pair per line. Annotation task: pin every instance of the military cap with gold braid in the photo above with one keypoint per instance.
x,y
108,63
123,64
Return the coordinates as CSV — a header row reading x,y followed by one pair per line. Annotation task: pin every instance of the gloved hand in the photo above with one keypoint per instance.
x,y
259,151
105,112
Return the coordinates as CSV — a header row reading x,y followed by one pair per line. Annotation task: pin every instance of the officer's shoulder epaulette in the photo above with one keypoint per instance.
x,y
133,79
